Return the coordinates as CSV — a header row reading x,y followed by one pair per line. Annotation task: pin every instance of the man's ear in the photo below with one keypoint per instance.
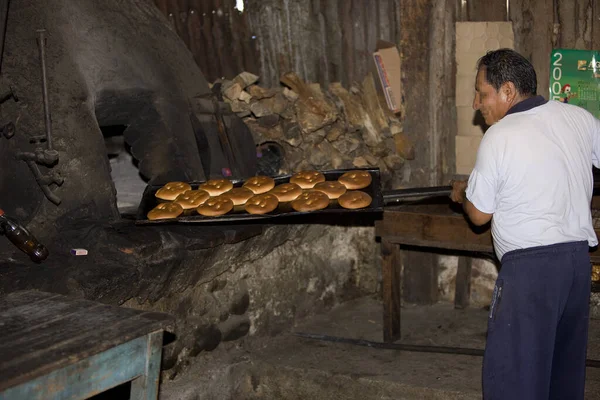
x,y
508,91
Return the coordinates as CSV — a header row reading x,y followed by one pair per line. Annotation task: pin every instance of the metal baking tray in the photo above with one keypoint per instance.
x,y
149,201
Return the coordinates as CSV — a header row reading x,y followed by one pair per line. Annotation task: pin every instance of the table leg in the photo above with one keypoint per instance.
x,y
462,289
145,387
392,293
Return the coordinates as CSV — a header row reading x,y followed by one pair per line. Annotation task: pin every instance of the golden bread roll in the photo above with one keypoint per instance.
x,y
355,199
307,179
165,211
262,203
171,190
239,195
216,187
215,206
259,184
192,198
310,201
355,179
333,189
286,191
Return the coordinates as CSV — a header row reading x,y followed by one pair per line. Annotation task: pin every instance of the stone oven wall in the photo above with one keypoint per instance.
x,y
108,62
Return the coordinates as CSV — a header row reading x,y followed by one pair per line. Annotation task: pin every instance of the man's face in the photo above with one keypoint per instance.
x,y
493,104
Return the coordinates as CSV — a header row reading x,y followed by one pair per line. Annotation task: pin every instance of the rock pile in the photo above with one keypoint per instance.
x,y
333,129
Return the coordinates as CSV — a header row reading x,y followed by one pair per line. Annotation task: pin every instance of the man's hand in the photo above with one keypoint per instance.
x,y
459,195
458,191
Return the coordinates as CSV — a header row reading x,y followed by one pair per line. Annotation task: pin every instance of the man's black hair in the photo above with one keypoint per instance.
x,y
506,65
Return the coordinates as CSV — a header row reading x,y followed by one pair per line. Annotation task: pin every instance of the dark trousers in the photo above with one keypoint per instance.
x,y
538,325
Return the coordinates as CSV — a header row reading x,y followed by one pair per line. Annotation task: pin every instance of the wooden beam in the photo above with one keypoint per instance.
x,y
392,295
443,231
462,291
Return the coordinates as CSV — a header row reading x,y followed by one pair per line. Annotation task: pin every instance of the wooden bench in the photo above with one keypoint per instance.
x,y
56,347
428,227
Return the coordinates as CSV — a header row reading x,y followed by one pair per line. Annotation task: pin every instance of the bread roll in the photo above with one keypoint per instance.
x,y
171,190
355,199
216,187
310,201
259,184
307,179
165,211
355,179
286,192
262,203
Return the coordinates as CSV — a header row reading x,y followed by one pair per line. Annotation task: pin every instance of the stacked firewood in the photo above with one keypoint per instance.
x,y
333,129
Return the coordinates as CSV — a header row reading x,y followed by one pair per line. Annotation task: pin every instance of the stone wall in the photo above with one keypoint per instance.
x,y
332,128
316,268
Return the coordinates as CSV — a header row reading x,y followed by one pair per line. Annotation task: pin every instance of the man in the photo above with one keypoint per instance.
x,y
533,180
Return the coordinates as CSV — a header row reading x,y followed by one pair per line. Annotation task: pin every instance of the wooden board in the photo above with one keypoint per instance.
x,y
42,332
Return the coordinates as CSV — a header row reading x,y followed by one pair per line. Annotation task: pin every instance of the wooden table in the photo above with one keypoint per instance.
x,y
56,347
434,227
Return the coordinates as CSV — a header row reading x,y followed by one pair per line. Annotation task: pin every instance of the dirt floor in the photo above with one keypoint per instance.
x,y
292,367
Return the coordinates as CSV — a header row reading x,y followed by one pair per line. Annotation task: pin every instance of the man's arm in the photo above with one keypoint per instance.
x,y
459,196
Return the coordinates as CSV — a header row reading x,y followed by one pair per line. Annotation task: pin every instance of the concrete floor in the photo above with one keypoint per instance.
x,y
290,367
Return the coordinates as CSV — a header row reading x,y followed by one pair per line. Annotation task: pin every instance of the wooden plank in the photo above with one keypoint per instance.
x,y
73,329
532,25
433,230
27,298
70,351
392,291
146,386
88,377
488,10
415,22
462,292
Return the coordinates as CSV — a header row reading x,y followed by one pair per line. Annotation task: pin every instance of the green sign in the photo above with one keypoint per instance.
x,y
575,78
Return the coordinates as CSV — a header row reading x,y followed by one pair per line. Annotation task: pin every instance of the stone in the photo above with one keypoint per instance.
x,y
315,137
240,303
245,79
245,97
370,137
320,154
234,327
336,159
290,94
371,159
292,134
269,121
372,106
259,92
360,162
278,104
353,110
346,145
304,165
263,134
240,108
395,128
394,162
404,146
313,110
207,338
232,91
333,132
259,109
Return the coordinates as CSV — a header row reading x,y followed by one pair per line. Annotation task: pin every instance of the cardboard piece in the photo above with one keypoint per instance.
x,y
387,64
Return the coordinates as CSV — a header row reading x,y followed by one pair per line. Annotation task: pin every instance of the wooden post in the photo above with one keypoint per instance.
x,y
145,387
392,294
462,295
